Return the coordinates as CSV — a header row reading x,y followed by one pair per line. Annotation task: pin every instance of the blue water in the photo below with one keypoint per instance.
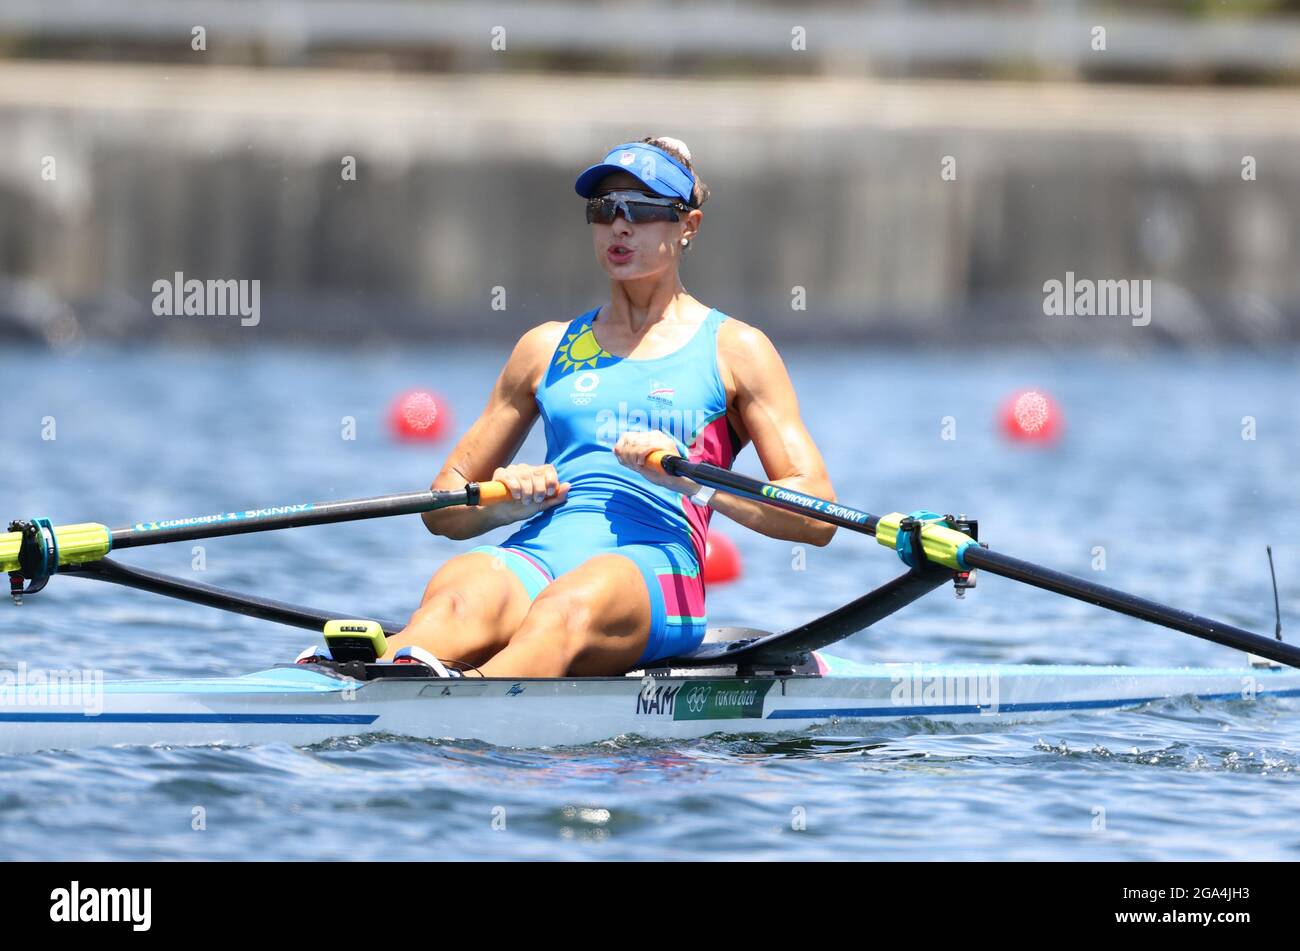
x,y
1152,468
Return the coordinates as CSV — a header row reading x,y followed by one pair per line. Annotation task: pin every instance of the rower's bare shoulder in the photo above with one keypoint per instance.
x,y
746,350
744,339
532,353
541,341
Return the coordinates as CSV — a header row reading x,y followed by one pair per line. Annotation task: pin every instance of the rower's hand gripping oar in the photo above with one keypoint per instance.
x,y
32,551
943,545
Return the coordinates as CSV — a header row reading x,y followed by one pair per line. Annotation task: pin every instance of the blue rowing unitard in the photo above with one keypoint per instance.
x,y
588,399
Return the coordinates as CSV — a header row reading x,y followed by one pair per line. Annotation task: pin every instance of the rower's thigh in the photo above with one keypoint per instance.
x,y
601,611
478,587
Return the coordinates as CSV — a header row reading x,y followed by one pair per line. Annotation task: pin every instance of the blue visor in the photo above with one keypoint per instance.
x,y
655,168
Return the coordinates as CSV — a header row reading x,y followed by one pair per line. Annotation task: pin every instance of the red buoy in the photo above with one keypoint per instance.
x,y
721,559
418,416
1031,416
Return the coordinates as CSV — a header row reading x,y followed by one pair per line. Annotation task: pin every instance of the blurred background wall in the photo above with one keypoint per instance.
x,y
907,172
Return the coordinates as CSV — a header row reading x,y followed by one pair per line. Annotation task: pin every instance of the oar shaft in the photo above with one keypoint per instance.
x,y
975,556
81,543
774,495
242,522
1092,593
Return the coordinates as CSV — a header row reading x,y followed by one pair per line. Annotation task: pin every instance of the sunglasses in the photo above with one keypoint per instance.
x,y
637,207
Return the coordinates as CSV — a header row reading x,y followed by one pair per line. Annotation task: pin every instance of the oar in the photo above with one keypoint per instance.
x,y
948,547
36,549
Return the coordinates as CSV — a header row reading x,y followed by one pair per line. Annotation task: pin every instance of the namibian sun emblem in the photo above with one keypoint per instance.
x,y
581,350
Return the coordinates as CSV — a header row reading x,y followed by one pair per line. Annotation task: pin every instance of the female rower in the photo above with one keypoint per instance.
x,y
604,575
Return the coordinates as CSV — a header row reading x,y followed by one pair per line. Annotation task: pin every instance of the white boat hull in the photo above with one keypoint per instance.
x,y
302,706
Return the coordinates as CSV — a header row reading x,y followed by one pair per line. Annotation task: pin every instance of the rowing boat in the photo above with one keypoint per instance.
x,y
740,680
300,705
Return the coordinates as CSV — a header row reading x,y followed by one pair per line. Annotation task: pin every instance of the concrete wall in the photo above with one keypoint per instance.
x,y
465,185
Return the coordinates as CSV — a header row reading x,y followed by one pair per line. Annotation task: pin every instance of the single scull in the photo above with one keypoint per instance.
x,y
738,681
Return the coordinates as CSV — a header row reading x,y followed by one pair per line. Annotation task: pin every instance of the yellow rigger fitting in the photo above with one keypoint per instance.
x,y
942,545
87,541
